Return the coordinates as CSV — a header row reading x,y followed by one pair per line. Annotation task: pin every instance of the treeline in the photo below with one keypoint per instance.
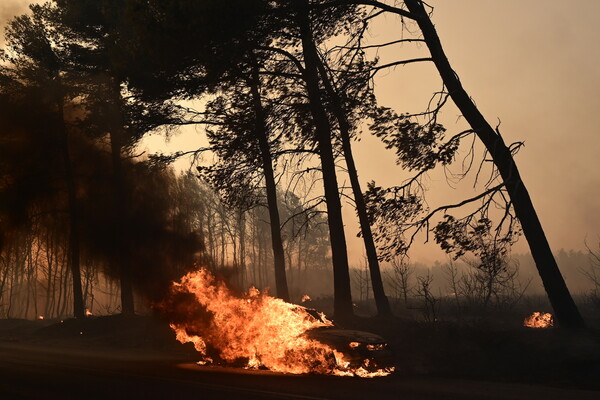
x,y
285,87
459,291
195,228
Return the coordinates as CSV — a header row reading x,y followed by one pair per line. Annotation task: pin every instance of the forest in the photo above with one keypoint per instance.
x,y
92,224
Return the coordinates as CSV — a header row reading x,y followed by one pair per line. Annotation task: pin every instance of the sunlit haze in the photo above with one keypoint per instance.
x,y
531,66
263,199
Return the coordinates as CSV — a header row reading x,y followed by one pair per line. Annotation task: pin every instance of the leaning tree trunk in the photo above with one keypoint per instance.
x,y
381,300
565,309
339,255
271,188
74,239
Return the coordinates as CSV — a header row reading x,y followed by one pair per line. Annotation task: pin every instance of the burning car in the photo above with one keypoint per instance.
x,y
258,331
359,349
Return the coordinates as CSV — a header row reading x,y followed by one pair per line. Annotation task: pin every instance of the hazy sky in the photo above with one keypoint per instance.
x,y
534,65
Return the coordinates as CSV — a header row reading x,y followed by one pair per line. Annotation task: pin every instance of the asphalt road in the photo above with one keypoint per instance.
x,y
46,372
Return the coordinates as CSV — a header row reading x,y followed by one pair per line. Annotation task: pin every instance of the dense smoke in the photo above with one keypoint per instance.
x,y
155,237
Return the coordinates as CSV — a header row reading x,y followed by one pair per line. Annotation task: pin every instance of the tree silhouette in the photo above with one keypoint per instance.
x,y
205,64
240,137
38,59
100,74
360,96
566,311
502,155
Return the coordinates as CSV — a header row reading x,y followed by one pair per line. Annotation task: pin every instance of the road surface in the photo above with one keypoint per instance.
x,y
45,372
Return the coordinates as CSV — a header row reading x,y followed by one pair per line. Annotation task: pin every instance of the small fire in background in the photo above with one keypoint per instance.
x,y
539,320
88,313
40,317
306,298
255,329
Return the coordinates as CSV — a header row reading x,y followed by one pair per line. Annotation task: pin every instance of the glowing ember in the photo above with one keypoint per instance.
x,y
539,320
306,298
40,317
256,330
88,312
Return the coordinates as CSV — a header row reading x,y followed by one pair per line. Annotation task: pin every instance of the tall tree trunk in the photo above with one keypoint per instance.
x,y
74,242
12,286
121,255
339,255
381,300
565,309
271,188
242,256
232,234
49,288
253,253
211,240
222,221
4,280
64,287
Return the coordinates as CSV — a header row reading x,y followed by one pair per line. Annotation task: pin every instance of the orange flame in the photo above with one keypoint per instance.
x,y
306,298
256,329
539,320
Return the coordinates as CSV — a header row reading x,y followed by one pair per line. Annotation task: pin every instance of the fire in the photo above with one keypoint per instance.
x,y
539,320
40,317
255,329
88,313
306,298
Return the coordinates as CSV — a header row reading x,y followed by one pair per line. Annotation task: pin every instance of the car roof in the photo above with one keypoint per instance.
x,y
350,335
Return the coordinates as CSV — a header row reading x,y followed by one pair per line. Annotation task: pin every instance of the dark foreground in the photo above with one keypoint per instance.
x,y
111,358
34,372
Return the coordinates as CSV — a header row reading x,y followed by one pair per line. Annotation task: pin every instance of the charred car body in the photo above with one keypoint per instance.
x,y
359,348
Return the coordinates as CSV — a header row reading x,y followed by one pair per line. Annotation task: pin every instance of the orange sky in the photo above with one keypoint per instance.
x,y
532,64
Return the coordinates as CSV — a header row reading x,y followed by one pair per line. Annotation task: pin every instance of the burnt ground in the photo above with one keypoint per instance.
x,y
550,356
127,356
